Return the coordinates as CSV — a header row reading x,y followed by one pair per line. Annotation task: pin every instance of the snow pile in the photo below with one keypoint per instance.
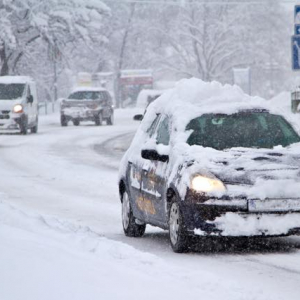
x,y
282,101
67,261
193,97
233,224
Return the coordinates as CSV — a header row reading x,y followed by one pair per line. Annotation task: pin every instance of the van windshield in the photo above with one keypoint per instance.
x,y
11,91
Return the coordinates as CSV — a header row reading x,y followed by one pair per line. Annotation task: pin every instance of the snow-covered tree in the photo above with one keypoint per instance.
x,y
46,32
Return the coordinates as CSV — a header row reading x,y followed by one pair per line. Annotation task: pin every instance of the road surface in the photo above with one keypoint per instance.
x,y
59,200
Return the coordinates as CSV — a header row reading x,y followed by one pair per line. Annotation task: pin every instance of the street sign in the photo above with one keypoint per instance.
x,y
297,29
297,14
296,52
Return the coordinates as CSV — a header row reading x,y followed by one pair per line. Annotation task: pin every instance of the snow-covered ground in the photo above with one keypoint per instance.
x,y
61,235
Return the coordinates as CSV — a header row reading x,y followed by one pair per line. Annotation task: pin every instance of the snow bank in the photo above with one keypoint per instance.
x,y
233,224
49,258
193,97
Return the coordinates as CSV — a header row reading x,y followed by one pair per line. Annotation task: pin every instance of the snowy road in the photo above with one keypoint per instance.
x,y
61,235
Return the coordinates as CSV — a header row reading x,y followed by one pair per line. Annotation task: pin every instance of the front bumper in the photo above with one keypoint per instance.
x,y
80,113
240,216
11,122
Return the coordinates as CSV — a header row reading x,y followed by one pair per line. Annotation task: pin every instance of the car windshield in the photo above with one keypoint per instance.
x,y
11,91
249,130
86,95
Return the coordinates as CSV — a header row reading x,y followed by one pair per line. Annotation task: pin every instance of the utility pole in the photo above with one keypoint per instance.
x,y
55,55
54,86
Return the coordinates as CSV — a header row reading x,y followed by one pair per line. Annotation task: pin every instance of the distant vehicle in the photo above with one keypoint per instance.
x,y
87,104
202,168
18,104
144,98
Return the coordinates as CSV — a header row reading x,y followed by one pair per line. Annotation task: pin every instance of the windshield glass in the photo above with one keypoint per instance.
x,y
249,130
11,91
86,95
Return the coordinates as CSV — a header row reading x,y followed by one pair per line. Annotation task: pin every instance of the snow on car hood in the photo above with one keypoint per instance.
x,y
252,173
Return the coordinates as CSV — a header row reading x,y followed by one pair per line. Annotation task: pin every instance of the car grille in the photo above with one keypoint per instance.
x,y
4,114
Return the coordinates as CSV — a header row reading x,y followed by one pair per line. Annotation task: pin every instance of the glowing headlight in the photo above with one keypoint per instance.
x,y
18,108
205,184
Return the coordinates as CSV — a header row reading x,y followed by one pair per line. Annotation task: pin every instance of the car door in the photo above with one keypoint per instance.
x,y
134,178
34,106
29,106
154,177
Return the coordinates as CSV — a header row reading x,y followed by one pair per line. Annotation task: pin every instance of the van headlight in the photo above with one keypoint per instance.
x,y
18,108
204,184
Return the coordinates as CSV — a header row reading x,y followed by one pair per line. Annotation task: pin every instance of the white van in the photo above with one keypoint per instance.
x,y
18,104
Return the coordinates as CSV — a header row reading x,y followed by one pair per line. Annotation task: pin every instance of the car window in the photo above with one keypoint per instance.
x,y
249,130
163,132
151,129
11,91
28,91
87,95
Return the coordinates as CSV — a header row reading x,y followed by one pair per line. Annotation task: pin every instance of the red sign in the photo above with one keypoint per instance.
x,y
136,80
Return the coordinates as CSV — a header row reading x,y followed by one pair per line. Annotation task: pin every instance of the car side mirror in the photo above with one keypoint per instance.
x,y
30,99
138,117
153,155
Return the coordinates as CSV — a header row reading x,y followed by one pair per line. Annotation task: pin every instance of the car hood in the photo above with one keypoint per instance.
x,y
254,172
9,104
249,166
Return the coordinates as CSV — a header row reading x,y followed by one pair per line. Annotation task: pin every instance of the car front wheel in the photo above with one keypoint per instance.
x,y
63,121
130,226
177,234
98,120
110,120
34,129
76,122
24,126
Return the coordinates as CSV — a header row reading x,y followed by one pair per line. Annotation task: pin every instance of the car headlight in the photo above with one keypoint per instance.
x,y
205,184
18,108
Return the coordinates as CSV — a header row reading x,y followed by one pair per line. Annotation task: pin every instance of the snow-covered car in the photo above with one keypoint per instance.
x,y
87,104
18,104
208,160
144,99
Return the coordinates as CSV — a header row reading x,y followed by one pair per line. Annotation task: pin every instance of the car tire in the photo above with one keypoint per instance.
x,y
76,122
35,128
130,226
110,120
179,239
98,120
24,126
63,121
